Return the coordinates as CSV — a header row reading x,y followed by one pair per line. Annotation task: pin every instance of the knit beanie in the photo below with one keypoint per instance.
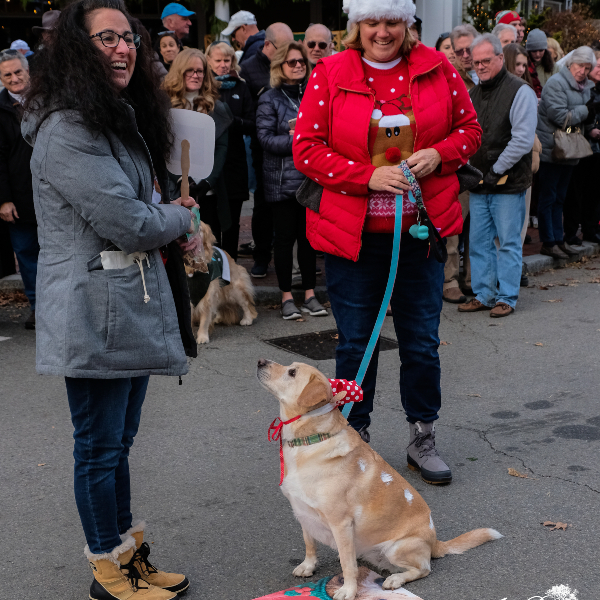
x,y
507,17
397,10
536,40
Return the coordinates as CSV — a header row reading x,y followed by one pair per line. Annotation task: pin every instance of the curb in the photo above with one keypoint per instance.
x,y
271,295
537,263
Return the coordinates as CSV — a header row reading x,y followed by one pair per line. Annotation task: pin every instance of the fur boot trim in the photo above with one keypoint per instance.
x,y
112,556
360,10
135,528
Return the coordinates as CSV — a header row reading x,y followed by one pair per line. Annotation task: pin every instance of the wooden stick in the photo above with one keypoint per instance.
x,y
185,168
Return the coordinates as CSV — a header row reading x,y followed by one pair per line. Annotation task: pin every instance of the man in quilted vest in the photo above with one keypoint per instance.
x,y
507,112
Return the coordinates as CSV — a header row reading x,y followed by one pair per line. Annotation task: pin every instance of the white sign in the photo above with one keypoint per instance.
x,y
199,130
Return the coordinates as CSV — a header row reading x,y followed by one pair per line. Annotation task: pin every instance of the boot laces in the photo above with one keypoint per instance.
x,y
130,571
426,441
141,555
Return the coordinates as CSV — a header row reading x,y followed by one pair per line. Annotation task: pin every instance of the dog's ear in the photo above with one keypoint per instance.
x,y
340,396
314,391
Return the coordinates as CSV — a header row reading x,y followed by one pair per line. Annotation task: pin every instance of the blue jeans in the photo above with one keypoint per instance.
x,y
356,291
106,416
24,240
496,274
554,181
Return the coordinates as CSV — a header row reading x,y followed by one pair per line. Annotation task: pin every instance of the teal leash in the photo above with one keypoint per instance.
x,y
364,365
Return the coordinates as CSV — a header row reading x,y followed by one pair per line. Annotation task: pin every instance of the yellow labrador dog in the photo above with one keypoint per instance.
x,y
344,494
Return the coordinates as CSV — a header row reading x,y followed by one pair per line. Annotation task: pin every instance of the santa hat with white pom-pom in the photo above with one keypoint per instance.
x,y
397,10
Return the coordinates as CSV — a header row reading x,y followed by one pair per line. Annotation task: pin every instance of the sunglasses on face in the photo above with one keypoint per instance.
x,y
293,61
322,45
466,51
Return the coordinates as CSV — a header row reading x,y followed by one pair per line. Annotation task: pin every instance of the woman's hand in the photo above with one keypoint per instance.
x,y
8,212
292,131
424,162
188,202
388,179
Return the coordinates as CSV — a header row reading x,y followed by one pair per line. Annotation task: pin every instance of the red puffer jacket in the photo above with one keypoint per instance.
x,y
337,156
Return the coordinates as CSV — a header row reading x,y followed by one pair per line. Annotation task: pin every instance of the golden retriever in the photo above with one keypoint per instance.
x,y
345,495
230,304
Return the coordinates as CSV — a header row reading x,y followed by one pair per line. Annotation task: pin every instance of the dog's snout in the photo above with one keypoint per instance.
x,y
263,362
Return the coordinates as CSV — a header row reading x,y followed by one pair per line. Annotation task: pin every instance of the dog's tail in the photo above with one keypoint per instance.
x,y
464,542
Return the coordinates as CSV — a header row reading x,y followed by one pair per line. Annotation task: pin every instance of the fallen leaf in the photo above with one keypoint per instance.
x,y
597,280
42,465
573,285
553,300
445,343
336,336
591,268
543,287
299,320
327,304
474,395
472,459
555,526
538,344
516,473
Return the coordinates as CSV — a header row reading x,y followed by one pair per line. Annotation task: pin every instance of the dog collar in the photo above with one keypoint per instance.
x,y
353,393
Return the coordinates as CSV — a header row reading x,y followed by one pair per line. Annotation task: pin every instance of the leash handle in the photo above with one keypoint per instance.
x,y
364,365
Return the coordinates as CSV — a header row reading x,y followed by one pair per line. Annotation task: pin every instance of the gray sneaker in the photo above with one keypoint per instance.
x,y
314,308
290,311
422,455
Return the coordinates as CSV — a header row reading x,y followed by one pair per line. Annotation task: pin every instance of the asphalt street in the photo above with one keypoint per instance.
x,y
518,393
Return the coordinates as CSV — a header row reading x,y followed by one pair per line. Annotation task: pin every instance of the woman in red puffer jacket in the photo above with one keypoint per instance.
x,y
385,99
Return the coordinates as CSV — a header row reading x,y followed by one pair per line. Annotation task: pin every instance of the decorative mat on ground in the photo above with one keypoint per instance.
x,y
369,588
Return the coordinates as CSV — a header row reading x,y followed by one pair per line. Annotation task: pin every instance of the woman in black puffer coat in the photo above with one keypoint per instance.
x,y
289,73
234,92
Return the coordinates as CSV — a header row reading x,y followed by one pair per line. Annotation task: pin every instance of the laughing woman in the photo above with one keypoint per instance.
x,y
387,97
106,306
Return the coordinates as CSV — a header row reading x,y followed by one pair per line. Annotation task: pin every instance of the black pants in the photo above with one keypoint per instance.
x,y
582,205
227,240
289,222
262,218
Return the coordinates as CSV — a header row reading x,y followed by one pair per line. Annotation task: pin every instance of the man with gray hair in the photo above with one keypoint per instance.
x,y
507,112
462,37
318,42
16,192
507,34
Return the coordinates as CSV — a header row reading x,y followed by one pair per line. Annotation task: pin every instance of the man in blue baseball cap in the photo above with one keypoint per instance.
x,y
175,17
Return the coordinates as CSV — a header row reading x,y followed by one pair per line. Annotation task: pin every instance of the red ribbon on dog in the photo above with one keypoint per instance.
x,y
354,393
274,434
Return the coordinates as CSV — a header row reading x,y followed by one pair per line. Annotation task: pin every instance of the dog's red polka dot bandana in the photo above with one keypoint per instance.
x,y
353,391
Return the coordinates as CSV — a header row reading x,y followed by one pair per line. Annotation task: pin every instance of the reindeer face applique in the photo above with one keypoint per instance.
x,y
391,131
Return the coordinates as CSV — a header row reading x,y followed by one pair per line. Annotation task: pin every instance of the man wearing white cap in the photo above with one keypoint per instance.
x,y
243,29
22,46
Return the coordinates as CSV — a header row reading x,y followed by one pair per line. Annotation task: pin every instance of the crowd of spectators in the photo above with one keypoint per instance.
x,y
251,81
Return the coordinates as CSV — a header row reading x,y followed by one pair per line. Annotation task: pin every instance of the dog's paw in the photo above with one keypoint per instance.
x,y
394,581
305,569
346,592
246,321
202,338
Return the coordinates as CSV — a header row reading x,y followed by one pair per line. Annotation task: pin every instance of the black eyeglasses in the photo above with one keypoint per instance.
x,y
294,61
110,39
322,45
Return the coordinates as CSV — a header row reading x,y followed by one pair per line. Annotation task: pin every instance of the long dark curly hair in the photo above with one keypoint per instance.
x,y
70,73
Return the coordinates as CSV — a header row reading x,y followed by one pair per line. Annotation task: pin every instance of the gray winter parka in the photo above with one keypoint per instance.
x,y
560,95
91,191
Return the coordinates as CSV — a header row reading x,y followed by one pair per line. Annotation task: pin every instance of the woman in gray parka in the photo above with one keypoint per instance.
x,y
112,298
566,93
